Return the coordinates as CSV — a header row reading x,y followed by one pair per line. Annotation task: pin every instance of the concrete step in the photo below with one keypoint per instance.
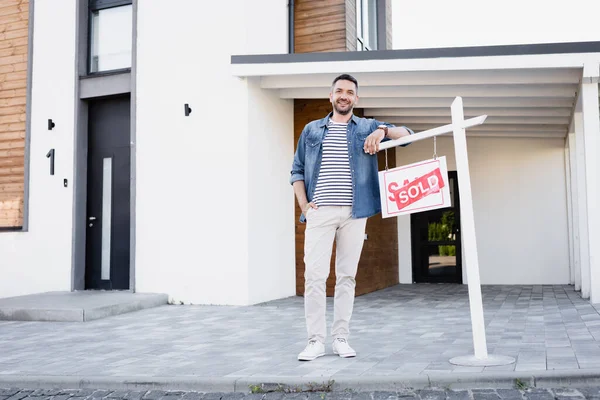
x,y
76,306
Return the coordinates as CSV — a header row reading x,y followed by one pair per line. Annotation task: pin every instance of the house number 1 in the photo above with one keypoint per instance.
x,y
50,155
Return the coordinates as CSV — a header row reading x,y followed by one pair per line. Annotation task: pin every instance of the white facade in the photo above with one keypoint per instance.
x,y
205,182
214,213
189,244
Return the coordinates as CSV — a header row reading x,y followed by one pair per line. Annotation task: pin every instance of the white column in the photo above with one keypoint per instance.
x,y
569,212
574,195
591,133
584,253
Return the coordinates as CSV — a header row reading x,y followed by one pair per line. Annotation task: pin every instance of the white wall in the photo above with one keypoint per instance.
x,y
433,23
40,260
519,200
195,206
266,25
271,236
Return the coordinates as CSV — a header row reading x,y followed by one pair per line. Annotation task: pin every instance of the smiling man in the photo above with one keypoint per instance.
x,y
335,180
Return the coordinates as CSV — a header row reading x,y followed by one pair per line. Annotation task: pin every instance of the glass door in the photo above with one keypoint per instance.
x,y
436,243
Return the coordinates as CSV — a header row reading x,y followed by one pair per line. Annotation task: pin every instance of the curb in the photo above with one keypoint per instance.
x,y
491,380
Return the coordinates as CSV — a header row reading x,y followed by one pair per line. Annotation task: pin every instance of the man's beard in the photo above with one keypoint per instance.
x,y
342,112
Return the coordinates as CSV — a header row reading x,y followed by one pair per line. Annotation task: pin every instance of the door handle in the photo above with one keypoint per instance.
x,y
92,218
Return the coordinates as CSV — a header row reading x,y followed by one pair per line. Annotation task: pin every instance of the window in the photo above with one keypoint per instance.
x,y
111,34
366,25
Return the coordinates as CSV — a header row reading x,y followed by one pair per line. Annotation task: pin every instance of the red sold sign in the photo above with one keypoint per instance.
x,y
417,189
413,188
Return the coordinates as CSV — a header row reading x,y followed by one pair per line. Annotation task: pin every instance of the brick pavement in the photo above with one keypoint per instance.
x,y
591,393
405,329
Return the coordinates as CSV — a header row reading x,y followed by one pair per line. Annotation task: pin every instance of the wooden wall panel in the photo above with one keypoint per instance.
x,y
330,25
319,26
351,25
14,20
378,266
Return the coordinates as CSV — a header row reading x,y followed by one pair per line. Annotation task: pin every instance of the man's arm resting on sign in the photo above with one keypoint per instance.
x,y
397,132
372,142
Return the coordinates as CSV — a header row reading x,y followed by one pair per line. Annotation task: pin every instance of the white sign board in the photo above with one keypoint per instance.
x,y
417,187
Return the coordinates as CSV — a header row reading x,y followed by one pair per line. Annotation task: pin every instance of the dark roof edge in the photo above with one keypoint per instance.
x,y
477,51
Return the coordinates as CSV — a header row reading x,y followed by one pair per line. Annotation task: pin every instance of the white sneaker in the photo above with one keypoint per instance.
x,y
313,349
342,348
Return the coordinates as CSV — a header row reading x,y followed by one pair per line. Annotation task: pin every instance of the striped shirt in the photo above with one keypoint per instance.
x,y
334,184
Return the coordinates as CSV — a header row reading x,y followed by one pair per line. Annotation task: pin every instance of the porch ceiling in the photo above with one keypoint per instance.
x,y
526,91
522,102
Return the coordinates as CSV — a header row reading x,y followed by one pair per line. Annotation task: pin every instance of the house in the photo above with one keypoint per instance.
x,y
147,147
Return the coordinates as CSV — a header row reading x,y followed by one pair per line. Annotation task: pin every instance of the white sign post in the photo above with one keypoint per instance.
x,y
469,242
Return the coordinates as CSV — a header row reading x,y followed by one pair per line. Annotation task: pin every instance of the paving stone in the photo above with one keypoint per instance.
x,y
250,396
118,394
71,392
60,397
509,394
274,396
566,394
432,394
538,394
485,395
139,394
154,394
382,395
20,395
85,393
406,394
99,394
458,395
589,392
172,396
233,396
45,392
213,396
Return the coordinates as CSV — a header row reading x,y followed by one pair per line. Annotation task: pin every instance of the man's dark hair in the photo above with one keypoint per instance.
x,y
346,77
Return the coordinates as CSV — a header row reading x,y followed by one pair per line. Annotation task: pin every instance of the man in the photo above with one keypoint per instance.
x,y
335,180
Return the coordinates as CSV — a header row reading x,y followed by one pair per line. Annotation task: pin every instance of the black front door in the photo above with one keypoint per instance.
x,y
436,249
108,214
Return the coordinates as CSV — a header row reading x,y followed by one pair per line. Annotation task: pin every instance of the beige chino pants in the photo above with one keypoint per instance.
x,y
322,226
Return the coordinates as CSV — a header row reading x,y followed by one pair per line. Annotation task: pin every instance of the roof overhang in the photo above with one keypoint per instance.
x,y
526,91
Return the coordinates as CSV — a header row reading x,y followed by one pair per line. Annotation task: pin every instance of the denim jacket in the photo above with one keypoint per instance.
x,y
365,180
